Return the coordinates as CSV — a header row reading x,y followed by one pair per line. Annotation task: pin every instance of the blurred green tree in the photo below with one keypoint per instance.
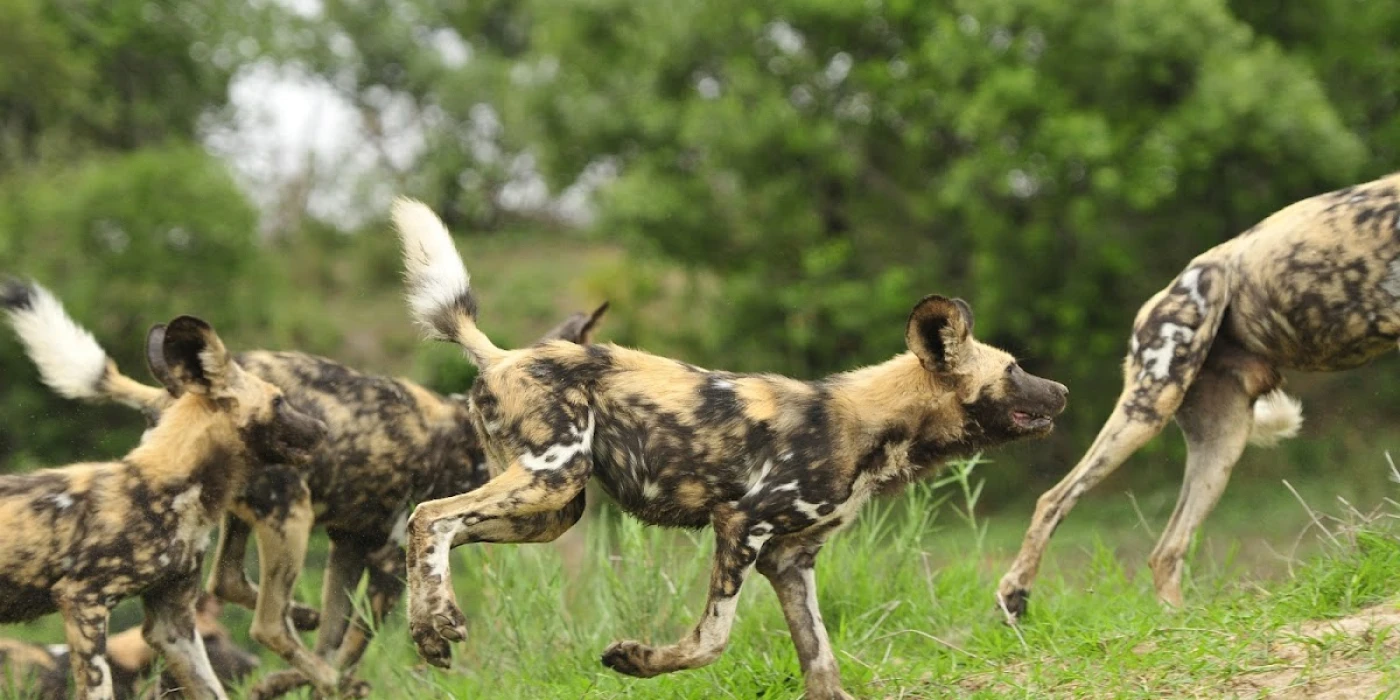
x,y
106,196
826,163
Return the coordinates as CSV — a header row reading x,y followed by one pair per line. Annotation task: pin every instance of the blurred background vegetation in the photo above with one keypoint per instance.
x,y
755,187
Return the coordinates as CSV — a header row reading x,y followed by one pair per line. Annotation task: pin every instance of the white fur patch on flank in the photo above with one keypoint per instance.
x,y
559,455
69,359
434,271
1277,416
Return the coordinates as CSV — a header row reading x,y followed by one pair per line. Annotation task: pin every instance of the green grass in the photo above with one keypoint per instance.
x,y
906,594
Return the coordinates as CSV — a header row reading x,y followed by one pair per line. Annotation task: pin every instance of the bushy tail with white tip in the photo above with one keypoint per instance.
x,y
439,288
1277,417
69,359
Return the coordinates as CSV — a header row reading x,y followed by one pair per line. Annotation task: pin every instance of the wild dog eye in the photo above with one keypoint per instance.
x,y
277,403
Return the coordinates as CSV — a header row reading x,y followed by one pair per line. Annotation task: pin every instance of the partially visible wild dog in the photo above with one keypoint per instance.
x,y
1315,286
41,672
391,444
775,465
82,538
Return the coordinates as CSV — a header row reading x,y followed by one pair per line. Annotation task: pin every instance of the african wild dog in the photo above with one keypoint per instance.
x,y
774,464
41,672
77,540
391,444
1315,286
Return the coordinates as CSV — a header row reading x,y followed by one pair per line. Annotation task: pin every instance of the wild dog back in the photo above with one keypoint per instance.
x,y
408,442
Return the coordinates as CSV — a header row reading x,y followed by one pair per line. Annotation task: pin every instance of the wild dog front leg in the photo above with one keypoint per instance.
x,y
1216,419
788,564
1171,340
282,544
228,579
345,564
737,542
85,628
170,629
386,583
520,505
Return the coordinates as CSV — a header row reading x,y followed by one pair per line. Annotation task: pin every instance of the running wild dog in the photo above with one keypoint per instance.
x,y
775,465
391,444
41,672
82,538
1315,286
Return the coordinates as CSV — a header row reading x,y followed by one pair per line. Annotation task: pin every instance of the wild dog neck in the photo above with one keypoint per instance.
x,y
195,442
899,393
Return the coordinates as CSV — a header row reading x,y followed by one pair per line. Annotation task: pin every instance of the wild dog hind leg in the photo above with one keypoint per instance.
x,y
737,542
1217,420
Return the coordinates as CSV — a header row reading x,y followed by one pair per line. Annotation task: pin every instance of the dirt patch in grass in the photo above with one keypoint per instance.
x,y
1339,659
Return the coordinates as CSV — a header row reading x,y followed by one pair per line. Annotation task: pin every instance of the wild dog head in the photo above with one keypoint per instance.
x,y
1000,401
187,357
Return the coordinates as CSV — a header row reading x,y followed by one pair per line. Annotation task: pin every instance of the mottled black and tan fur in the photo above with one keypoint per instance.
x,y
391,444
1315,286
80,539
37,672
774,465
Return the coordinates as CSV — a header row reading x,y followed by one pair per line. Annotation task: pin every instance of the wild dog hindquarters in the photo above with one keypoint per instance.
x,y
774,465
1171,339
1315,287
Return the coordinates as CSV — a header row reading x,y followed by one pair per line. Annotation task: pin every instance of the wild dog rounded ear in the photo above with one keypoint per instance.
x,y
194,356
939,331
155,360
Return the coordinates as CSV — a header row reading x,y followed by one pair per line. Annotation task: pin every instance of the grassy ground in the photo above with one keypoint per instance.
x,y
906,594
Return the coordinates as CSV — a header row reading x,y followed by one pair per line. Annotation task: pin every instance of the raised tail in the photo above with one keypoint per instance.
x,y
1277,417
439,289
69,359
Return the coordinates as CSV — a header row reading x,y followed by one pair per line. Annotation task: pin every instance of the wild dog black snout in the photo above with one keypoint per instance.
x,y
1035,400
288,437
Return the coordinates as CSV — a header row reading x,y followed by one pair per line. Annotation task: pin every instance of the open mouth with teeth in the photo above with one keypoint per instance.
x,y
1026,420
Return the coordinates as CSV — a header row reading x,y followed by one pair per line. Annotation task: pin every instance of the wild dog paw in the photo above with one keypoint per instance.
x,y
354,688
1013,604
304,617
275,685
630,658
434,631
